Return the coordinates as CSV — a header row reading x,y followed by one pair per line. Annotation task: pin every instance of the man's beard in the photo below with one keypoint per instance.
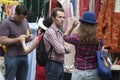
x,y
61,28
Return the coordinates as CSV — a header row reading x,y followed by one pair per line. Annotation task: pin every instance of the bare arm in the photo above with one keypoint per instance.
x,y
69,30
31,47
8,41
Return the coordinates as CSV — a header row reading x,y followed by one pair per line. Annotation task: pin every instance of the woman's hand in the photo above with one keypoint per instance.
x,y
105,50
22,38
75,23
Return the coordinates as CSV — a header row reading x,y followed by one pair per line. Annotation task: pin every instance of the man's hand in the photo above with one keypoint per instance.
x,y
22,38
29,38
66,44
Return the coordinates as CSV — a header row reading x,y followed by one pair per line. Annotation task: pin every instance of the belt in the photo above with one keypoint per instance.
x,y
58,62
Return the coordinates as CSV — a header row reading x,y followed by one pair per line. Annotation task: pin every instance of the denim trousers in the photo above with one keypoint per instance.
x,y
54,71
85,75
16,66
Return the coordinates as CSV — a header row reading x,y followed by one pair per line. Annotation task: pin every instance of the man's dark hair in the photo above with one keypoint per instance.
x,y
54,11
20,9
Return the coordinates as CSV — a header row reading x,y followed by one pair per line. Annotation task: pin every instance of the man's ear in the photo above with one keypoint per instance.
x,y
53,18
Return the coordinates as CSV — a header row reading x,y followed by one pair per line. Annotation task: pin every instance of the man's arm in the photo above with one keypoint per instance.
x,y
8,41
52,38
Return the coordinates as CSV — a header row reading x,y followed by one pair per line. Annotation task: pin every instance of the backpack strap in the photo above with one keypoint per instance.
x,y
50,51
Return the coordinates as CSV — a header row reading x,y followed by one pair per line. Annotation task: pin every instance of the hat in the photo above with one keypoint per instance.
x,y
89,17
45,23
40,24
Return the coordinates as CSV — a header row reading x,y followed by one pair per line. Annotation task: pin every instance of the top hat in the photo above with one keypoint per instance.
x,y
89,17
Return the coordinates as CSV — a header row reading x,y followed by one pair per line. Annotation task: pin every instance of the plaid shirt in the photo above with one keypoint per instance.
x,y
85,56
53,36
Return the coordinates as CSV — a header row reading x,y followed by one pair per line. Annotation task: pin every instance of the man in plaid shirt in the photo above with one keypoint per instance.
x,y
53,37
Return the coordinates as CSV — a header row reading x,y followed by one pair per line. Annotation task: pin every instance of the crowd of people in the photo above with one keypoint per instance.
x,y
13,35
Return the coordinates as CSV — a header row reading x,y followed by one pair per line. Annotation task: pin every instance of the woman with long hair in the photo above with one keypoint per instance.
x,y
86,45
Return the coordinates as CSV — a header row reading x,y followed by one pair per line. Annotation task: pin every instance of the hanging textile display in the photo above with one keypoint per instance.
x,y
84,6
89,5
68,7
3,14
77,8
8,8
97,7
32,55
50,4
109,20
74,8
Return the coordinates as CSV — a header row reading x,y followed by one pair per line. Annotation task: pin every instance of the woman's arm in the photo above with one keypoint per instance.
x,y
69,30
32,46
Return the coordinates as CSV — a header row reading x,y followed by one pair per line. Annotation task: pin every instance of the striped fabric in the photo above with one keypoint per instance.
x,y
89,5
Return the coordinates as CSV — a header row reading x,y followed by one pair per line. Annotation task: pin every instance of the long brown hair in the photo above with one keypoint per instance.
x,y
87,33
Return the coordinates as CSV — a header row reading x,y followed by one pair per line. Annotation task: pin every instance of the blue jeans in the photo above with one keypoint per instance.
x,y
85,75
16,66
54,71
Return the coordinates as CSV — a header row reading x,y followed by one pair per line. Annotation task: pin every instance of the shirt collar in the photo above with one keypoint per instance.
x,y
55,28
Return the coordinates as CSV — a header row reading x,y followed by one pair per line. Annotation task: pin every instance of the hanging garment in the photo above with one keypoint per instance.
x,y
97,7
84,6
77,8
54,4
68,7
74,8
110,21
32,55
50,4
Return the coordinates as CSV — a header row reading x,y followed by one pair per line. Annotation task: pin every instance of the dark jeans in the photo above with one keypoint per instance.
x,y
16,66
54,71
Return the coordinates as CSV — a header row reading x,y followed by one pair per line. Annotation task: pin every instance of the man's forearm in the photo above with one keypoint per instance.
x,y
8,41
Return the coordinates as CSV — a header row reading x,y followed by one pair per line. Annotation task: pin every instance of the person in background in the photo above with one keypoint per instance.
x,y
53,38
86,45
44,24
16,61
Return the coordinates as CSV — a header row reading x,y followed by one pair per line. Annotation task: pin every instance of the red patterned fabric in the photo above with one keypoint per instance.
x,y
111,20
97,7
53,4
84,6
